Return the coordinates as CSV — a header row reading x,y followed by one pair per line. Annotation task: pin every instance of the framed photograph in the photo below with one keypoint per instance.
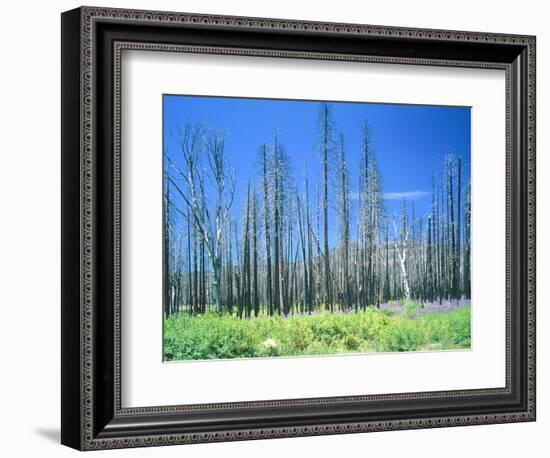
x,y
276,228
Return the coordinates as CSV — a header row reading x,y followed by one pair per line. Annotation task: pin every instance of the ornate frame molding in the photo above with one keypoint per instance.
x,y
89,436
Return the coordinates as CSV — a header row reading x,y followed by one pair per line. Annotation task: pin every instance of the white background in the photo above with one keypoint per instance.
x,y
147,75
30,245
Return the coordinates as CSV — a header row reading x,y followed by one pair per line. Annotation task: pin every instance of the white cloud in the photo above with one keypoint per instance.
x,y
405,195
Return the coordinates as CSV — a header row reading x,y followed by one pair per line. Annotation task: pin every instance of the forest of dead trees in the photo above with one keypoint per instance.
x,y
280,256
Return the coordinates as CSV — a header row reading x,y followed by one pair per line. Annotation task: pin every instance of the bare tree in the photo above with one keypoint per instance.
x,y
256,297
343,207
326,134
263,154
211,230
400,246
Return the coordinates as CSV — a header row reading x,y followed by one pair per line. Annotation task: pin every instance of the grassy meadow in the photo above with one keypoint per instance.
x,y
213,336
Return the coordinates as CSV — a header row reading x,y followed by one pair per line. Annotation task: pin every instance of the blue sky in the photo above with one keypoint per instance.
x,y
409,141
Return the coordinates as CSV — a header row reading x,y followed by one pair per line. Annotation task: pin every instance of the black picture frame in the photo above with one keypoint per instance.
x,y
92,40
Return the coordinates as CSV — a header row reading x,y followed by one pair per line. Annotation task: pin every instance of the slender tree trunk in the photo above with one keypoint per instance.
x,y
282,274
303,245
387,273
458,227
166,253
238,281
328,290
276,247
229,273
367,260
454,276
429,261
246,278
311,294
255,253
195,270
466,282
404,276
267,229
344,187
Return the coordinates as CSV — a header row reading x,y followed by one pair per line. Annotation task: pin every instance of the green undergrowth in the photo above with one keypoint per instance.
x,y
213,336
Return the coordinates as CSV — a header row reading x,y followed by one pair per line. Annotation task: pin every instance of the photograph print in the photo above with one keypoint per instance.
x,y
314,228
